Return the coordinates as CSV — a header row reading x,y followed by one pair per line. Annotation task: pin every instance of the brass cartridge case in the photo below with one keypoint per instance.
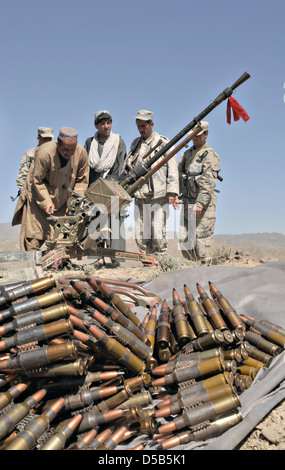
x,y
180,321
230,313
118,302
207,411
209,340
27,438
195,399
138,347
14,415
27,288
141,399
130,386
34,303
257,354
213,429
193,371
163,327
247,370
118,317
58,440
215,381
164,354
38,333
266,332
12,394
118,352
233,354
151,328
196,315
41,356
213,313
65,368
263,344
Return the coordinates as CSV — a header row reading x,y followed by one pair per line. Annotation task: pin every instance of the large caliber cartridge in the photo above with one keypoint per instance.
x,y
27,288
138,347
271,325
226,308
117,351
74,368
37,317
262,343
195,313
212,311
197,388
207,411
211,429
194,399
40,356
62,433
265,331
14,415
38,333
129,387
34,303
118,302
118,317
27,439
193,371
87,397
92,419
12,393
180,321
163,326
184,359
150,331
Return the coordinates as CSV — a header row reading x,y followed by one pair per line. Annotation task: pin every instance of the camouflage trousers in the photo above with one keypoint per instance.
x,y
198,241
150,225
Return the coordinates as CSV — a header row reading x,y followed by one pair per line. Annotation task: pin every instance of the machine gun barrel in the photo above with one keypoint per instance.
x,y
142,168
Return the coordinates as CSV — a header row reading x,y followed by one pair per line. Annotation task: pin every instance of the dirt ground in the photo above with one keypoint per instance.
x,y
269,434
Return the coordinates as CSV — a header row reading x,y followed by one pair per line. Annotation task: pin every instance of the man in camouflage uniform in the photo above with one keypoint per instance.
x,y
153,198
45,134
198,172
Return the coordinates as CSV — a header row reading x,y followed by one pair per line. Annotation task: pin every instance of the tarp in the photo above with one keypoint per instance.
x,y
257,291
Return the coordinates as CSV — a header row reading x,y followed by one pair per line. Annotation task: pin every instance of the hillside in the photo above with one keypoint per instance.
x,y
257,245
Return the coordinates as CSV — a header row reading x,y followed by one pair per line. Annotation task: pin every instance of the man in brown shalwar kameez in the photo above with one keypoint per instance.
x,y
57,163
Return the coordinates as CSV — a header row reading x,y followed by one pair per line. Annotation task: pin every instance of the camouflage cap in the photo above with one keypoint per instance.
x,y
204,125
144,115
45,132
67,133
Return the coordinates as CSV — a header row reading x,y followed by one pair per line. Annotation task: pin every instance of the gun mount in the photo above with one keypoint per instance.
x,y
76,234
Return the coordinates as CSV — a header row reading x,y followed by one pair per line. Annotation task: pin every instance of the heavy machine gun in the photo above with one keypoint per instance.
x,y
76,235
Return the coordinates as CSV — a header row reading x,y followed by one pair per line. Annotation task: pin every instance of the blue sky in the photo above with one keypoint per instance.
x,y
63,60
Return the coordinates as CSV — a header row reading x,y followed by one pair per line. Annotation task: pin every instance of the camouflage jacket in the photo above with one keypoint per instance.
x,y
165,180
25,165
198,171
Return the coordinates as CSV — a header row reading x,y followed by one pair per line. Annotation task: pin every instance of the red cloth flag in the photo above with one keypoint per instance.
x,y
238,111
